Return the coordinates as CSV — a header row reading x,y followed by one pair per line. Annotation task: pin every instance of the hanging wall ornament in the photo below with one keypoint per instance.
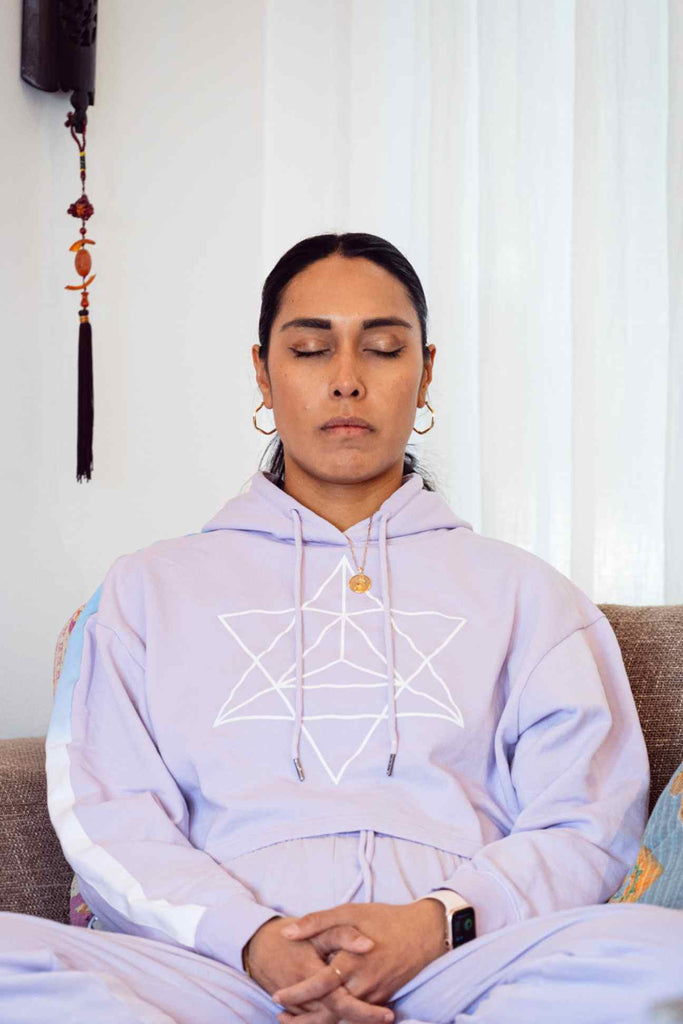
x,y
58,54
83,210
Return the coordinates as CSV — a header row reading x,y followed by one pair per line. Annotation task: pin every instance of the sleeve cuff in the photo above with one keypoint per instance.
x,y
493,906
224,929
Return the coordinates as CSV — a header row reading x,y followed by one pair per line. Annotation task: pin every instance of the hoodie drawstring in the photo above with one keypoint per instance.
x,y
388,643
366,849
298,627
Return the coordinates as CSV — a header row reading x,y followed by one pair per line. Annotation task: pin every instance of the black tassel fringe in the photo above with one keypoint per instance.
x,y
85,403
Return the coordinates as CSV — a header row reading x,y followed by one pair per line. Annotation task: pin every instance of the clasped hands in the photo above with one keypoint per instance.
x,y
375,947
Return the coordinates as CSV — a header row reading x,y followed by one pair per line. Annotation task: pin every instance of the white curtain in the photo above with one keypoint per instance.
x,y
527,157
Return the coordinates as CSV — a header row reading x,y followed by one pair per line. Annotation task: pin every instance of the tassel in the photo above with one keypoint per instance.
x,y
86,410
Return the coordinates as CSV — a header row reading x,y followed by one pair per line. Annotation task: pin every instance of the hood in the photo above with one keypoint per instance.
x,y
266,509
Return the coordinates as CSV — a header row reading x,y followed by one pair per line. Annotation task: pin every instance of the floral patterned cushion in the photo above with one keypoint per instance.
x,y
657,875
80,913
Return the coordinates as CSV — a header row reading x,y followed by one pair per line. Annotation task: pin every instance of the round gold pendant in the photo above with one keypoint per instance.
x,y
360,583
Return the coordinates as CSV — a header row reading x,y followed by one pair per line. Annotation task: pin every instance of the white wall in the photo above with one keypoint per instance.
x,y
174,155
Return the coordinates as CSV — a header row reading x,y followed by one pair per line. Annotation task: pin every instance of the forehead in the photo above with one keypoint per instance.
x,y
345,289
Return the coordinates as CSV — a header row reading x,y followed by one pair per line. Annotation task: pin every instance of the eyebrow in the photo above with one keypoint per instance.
x,y
326,325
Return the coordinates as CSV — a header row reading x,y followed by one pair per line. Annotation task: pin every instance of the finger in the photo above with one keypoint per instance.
x,y
306,1018
327,982
316,986
348,1008
321,1016
342,936
348,1011
299,1010
311,924
313,1013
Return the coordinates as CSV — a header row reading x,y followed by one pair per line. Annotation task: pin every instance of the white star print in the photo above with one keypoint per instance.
x,y
328,610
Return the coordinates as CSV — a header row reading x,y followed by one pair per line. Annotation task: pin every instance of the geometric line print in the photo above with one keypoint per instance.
x,y
264,689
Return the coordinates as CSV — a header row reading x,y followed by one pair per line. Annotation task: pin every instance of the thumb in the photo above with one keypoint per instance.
x,y
341,936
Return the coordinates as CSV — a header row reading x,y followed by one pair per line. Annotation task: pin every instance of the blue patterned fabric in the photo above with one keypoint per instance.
x,y
657,875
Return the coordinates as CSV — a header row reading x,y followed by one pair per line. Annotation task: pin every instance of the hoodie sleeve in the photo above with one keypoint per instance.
x,y
119,815
571,756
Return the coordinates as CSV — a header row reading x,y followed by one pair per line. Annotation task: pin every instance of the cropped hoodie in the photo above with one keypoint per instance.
x,y
226,690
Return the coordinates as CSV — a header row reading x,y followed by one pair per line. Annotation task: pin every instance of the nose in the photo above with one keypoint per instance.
x,y
345,378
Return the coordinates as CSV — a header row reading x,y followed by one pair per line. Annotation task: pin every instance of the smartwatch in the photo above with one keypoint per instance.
x,y
460,919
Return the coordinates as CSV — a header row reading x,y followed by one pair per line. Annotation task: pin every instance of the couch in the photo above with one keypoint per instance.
x,y
35,878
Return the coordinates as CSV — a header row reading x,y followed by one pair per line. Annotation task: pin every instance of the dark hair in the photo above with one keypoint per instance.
x,y
296,259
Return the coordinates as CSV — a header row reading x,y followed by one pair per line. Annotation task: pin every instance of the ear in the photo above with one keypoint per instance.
x,y
427,373
430,367
262,378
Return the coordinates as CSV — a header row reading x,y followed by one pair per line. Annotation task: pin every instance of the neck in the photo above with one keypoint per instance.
x,y
342,503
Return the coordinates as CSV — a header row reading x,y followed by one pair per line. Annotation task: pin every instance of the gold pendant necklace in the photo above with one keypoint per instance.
x,y
360,582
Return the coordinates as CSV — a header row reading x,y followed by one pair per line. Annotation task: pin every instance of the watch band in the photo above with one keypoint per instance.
x,y
459,917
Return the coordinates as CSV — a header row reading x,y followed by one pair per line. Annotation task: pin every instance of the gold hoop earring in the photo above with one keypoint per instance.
x,y
261,428
431,424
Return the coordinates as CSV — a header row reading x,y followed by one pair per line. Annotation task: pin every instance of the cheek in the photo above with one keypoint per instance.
x,y
298,405
403,397
296,391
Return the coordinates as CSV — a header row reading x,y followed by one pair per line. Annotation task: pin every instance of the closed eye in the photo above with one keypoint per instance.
x,y
376,351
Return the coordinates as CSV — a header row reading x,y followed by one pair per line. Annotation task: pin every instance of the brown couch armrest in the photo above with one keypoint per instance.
x,y
34,876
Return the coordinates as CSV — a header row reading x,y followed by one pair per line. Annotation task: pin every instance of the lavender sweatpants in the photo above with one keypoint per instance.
x,y
597,965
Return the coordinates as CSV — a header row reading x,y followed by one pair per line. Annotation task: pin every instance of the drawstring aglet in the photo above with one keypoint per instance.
x,y
390,766
299,769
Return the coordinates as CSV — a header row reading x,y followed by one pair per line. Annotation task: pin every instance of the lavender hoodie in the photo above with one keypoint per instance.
x,y
226,690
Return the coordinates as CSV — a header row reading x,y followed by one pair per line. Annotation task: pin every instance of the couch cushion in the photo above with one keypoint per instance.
x,y
651,642
34,876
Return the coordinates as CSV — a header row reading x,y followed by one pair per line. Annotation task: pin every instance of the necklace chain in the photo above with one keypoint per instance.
x,y
360,582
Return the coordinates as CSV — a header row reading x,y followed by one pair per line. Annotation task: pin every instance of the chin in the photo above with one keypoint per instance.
x,y
349,471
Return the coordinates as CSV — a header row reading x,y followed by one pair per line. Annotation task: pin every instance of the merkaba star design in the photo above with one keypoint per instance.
x,y
339,624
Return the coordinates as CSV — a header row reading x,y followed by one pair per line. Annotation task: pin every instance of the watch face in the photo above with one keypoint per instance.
x,y
463,926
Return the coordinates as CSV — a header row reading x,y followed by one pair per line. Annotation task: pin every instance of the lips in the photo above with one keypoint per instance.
x,y
349,431
340,422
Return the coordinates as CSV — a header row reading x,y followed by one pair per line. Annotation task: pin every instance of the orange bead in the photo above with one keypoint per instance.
x,y
84,301
83,262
